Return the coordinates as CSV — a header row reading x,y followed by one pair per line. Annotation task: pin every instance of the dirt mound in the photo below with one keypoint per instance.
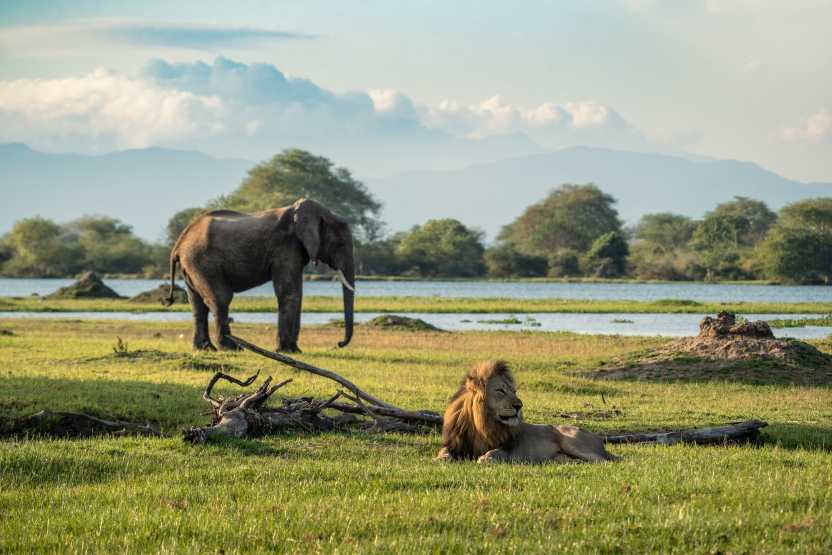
x,y
726,349
725,325
160,295
395,322
89,286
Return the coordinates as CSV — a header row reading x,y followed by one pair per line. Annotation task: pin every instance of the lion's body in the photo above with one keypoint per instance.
x,y
483,422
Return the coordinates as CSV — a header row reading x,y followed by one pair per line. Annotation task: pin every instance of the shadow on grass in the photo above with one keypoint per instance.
x,y
207,362
798,436
167,407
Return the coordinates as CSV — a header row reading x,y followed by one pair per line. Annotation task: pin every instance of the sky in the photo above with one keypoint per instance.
x,y
383,86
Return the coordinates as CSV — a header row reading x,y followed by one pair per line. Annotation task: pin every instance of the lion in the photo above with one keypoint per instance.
x,y
484,421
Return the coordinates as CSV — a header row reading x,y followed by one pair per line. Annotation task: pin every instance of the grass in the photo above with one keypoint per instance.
x,y
823,321
381,493
427,304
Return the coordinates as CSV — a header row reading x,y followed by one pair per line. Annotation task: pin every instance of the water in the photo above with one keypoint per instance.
x,y
669,325
701,292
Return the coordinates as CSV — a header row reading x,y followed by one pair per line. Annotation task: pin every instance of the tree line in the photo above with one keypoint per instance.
x,y
575,231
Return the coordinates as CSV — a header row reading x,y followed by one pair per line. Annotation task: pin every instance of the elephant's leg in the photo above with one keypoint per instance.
x,y
221,325
289,294
201,338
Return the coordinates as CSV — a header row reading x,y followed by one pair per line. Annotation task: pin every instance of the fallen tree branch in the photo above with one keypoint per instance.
x,y
735,432
289,361
245,415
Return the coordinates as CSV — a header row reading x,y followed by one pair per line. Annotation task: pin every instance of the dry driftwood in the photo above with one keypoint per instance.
x,y
246,414
735,432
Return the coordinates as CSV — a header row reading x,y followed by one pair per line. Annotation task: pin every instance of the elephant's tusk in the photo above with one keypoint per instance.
x,y
345,282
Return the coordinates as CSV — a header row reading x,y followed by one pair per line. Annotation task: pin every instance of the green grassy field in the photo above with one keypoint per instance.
x,y
425,304
360,492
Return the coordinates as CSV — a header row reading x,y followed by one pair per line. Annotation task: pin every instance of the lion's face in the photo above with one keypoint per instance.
x,y
502,402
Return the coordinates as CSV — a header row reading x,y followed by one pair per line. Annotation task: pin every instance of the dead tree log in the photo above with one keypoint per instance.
x,y
246,415
735,432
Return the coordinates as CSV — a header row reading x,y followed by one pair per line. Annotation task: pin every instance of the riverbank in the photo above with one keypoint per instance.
x,y
440,305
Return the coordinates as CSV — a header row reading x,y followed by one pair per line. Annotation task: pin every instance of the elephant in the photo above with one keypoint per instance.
x,y
223,252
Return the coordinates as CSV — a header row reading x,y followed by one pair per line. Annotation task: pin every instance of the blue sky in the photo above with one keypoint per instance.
x,y
744,79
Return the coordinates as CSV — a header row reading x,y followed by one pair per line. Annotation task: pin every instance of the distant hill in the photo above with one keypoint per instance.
x,y
145,187
491,195
141,187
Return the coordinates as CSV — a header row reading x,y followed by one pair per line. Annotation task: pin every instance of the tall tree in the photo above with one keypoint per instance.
x,y
295,174
570,217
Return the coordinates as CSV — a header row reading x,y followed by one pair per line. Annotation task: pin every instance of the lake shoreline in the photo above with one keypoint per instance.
x,y
439,305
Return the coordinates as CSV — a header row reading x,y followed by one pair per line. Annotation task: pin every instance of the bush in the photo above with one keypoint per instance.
x,y
608,256
505,261
442,248
564,263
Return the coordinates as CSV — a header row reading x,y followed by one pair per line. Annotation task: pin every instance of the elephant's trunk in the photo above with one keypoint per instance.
x,y
349,301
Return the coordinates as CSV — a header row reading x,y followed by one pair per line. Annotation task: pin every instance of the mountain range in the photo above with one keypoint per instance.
x,y
145,187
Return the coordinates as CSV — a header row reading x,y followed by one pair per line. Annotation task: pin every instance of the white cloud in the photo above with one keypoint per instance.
x,y
817,129
102,111
392,103
229,108
547,122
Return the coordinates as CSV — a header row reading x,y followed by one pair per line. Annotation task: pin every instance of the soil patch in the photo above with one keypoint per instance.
x,y
160,295
89,286
726,350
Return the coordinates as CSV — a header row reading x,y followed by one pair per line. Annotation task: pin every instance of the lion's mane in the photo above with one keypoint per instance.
x,y
468,430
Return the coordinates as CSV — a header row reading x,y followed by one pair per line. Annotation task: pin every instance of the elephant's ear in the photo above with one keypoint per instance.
x,y
308,219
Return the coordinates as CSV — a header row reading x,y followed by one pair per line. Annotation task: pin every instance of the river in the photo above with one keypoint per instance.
x,y
701,292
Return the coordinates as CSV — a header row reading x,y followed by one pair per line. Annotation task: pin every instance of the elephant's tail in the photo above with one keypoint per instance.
x,y
174,258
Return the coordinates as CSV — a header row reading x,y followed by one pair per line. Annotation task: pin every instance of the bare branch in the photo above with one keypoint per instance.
x,y
289,361
222,376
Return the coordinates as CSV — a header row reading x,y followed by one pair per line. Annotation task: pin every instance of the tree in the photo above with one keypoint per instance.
x,y
570,217
660,247
799,248
41,248
109,246
752,218
608,255
377,257
564,263
726,236
295,174
665,231
179,221
503,260
443,248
